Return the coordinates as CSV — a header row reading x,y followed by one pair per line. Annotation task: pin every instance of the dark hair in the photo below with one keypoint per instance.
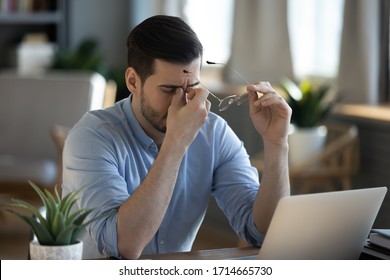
x,y
161,37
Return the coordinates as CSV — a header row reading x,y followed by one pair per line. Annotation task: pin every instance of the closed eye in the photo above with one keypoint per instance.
x,y
171,89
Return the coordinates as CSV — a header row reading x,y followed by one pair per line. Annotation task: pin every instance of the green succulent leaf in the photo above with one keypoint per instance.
x,y
291,89
80,216
41,232
32,209
58,197
66,236
60,226
58,223
50,212
309,103
68,201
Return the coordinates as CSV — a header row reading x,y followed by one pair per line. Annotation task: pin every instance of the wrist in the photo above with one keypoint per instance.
x,y
281,146
173,147
277,150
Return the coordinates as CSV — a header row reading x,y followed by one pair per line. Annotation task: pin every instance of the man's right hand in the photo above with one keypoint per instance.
x,y
186,115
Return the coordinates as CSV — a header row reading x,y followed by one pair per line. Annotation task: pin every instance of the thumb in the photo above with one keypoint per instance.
x,y
252,98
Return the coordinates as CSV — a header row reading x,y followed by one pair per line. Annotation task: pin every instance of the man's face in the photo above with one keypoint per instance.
x,y
159,88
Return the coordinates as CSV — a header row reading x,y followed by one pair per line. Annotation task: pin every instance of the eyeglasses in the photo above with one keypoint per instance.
x,y
228,100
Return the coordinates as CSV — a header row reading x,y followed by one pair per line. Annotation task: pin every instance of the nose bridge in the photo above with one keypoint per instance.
x,y
187,81
190,79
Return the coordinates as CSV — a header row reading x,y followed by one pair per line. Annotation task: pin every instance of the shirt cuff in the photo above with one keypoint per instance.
x,y
108,242
254,236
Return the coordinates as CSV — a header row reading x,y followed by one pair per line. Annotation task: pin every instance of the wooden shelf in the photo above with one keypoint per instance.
x,y
364,111
15,24
31,18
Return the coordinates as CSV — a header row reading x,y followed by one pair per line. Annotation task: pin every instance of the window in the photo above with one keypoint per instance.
x,y
315,33
315,28
212,20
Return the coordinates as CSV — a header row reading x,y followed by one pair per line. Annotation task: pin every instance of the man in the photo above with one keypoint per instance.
x,y
157,156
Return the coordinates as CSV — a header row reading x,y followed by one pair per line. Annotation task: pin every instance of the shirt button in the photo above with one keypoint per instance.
x,y
162,242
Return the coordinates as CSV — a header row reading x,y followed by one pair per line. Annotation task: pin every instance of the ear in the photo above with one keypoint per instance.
x,y
133,81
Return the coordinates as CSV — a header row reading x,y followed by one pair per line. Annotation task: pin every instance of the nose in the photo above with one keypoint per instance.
x,y
186,84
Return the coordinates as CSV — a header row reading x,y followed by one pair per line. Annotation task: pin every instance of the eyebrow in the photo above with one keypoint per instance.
x,y
175,86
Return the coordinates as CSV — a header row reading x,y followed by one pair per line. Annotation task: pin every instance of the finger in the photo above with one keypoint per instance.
x,y
179,99
190,93
263,87
253,101
274,101
267,98
208,105
253,96
198,95
270,99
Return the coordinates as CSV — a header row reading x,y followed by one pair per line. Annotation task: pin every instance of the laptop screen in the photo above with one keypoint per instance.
x,y
332,225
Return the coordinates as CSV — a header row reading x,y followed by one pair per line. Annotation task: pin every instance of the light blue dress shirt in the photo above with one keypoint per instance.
x,y
108,152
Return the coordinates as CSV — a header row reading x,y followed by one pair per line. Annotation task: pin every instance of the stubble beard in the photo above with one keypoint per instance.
x,y
153,117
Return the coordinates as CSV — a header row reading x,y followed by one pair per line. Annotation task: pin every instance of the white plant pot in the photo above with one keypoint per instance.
x,y
305,142
65,252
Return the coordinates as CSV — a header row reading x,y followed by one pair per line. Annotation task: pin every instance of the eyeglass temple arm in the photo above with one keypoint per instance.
x,y
212,94
231,68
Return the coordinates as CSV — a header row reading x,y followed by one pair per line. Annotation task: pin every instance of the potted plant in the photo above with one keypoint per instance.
x,y
56,231
310,103
85,57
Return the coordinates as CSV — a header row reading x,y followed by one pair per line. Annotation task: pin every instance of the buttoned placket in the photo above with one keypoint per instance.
x,y
161,235
153,149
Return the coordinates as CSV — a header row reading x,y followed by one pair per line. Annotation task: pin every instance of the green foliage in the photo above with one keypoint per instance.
x,y
310,103
84,57
59,226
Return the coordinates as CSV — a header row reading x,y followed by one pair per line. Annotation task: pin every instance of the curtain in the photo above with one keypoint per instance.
x,y
142,9
170,7
384,73
359,59
260,41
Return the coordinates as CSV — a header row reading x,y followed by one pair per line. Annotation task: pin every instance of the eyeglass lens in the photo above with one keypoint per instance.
x,y
228,100
242,98
237,99
223,103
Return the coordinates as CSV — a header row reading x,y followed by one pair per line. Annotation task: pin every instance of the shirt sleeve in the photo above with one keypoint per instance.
x,y
89,161
235,185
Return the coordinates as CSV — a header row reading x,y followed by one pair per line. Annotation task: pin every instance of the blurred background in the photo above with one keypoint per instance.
x,y
59,59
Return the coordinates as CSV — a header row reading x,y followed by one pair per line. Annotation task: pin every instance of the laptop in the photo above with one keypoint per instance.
x,y
322,226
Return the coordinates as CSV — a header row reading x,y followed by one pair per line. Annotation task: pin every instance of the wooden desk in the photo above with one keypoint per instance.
x,y
225,253
212,254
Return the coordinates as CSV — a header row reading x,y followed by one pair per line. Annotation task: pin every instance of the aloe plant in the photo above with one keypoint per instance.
x,y
310,103
59,225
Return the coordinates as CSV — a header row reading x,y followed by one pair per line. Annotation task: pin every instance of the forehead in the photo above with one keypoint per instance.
x,y
172,71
